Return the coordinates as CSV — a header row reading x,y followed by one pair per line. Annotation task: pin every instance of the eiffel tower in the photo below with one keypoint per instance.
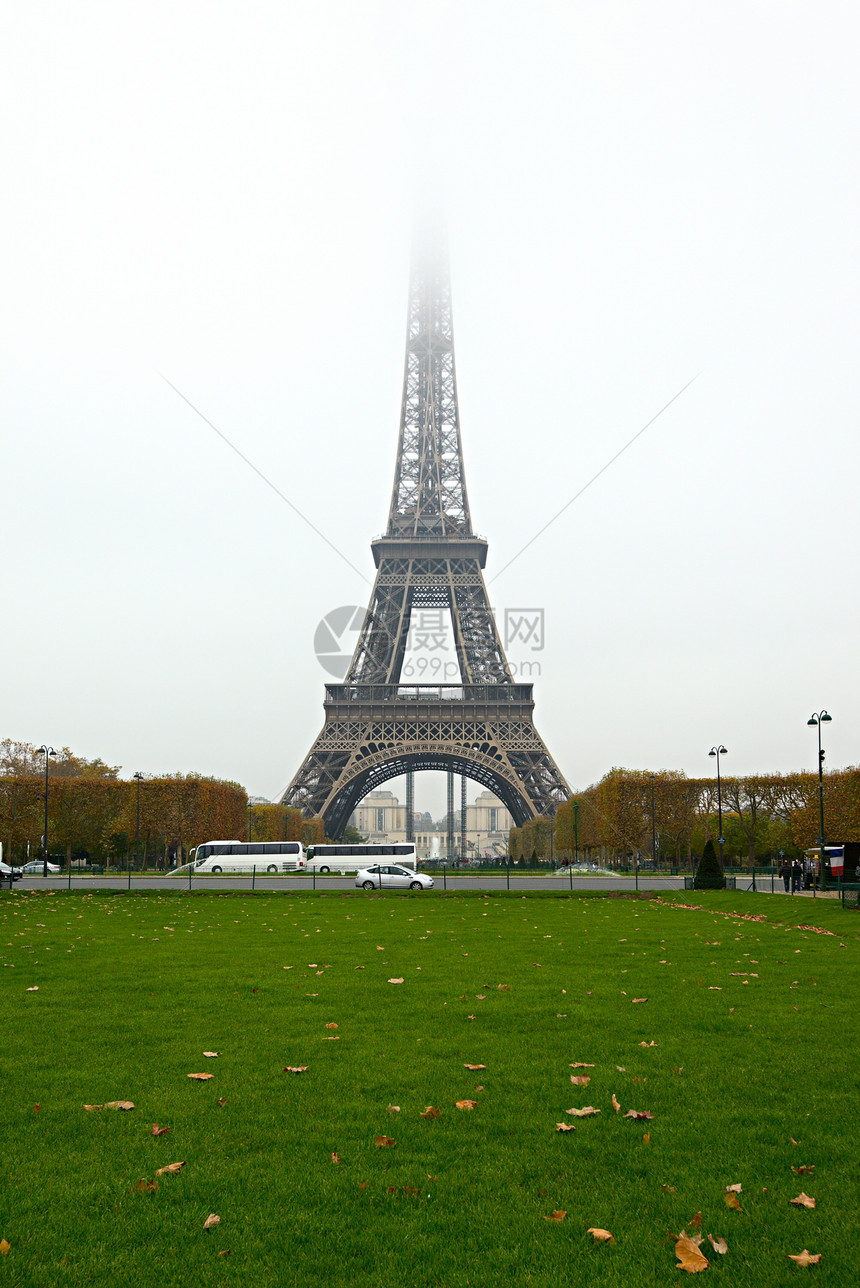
x,y
377,727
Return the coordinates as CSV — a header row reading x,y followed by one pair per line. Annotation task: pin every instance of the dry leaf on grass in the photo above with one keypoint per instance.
x,y
803,1200
718,1245
473,1067
222,1103
690,1257
556,1216
582,1081
805,1167
171,1169
638,1113
201,1077
668,1189
734,1189
697,1223
394,1109
5,1247
581,1064
295,1068
647,1138
565,1126
159,1131
634,1000
34,988
146,1187
335,1158
225,1252
467,1104
211,1220
432,1111
649,1044
616,1104
332,1025
396,981
211,1055
602,1236
385,1142
112,1104
803,1258
585,1112
37,1108
733,1202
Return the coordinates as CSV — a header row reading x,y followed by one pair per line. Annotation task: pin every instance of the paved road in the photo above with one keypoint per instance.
x,y
471,882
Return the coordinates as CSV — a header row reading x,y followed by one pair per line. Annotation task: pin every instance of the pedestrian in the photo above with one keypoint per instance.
x,y
785,873
796,876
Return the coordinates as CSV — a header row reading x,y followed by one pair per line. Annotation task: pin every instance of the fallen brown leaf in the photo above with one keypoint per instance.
x,y
222,1103
803,1258
602,1236
803,1200
171,1169
734,1189
385,1142
146,1187
503,988
335,1158
37,1108
668,1189
647,1138
581,1081
793,1141
565,1126
225,1252
718,1245
412,1190
696,1222
211,1055
119,1104
805,1167
634,1000
159,1131
467,1104
556,1216
396,981
332,1025
394,1109
432,1111
585,1112
211,1220
473,1067
638,1113
690,1257
616,1104
733,1202
581,1064
295,1068
5,1247
34,988
201,1077
649,1044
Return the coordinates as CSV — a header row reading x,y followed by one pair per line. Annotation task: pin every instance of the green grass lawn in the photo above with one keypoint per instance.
x,y
748,1037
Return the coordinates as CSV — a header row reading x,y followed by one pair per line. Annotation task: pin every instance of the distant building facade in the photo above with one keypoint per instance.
x,y
382,819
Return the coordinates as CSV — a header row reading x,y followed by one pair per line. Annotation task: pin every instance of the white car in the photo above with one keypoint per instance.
x,y
36,867
389,876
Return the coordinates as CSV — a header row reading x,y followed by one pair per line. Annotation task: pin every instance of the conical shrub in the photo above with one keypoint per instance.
x,y
709,873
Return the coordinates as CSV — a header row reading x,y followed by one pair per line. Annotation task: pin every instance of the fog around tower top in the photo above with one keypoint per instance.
x,y
633,196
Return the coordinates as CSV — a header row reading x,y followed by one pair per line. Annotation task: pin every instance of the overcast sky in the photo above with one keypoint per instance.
x,y
637,194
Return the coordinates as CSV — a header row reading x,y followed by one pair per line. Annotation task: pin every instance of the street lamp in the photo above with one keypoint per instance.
x,y
138,777
819,718
653,827
47,752
720,751
575,806
249,820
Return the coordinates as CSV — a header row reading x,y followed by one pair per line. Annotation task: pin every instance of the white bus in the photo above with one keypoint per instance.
x,y
352,858
234,856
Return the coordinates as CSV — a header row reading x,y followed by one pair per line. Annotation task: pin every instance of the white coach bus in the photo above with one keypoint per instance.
x,y
235,856
352,858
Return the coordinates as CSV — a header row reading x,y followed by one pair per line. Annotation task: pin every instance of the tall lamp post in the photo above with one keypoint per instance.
x,y
718,751
138,778
250,820
653,826
819,718
47,752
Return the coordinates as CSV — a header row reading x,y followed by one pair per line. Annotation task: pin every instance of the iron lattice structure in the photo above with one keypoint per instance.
x,y
377,728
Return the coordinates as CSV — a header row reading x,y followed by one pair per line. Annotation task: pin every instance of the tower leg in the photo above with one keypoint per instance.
x,y
449,840
410,806
463,816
